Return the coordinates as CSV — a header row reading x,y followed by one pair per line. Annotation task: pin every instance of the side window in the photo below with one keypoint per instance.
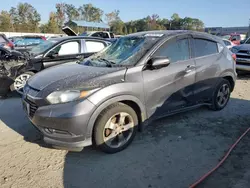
x,y
112,35
105,35
68,48
175,51
94,46
97,34
205,47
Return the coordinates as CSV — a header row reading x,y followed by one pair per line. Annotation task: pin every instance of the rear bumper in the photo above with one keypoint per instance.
x,y
64,125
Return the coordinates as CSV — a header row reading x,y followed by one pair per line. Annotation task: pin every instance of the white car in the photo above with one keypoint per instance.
x,y
228,43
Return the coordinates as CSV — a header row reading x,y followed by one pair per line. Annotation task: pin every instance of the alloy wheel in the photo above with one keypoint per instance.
x,y
118,130
20,81
223,95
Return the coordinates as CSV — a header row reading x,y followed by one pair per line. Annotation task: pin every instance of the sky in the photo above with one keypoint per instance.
x,y
214,13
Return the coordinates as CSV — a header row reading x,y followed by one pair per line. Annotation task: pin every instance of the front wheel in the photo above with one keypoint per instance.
x,y
221,95
115,128
21,80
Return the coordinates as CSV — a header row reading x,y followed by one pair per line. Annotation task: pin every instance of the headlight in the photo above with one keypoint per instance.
x,y
68,96
234,50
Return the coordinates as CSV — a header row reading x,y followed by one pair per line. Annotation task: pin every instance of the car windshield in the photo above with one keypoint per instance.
x,y
44,46
28,41
125,51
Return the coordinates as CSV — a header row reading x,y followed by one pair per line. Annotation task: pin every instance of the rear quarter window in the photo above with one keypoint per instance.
x,y
205,47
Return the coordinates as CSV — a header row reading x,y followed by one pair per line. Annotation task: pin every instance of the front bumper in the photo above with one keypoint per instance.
x,y
62,125
243,67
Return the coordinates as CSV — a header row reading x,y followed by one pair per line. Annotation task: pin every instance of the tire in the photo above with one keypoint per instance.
x,y
15,86
112,116
216,105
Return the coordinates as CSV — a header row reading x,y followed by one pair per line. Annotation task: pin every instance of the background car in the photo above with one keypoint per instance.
x,y
107,97
26,43
228,43
235,38
58,51
10,63
99,34
242,56
5,42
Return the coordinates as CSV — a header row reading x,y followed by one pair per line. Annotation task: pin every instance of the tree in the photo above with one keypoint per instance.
x,y
52,24
117,27
125,30
130,30
135,30
25,17
5,22
90,13
60,14
112,16
71,11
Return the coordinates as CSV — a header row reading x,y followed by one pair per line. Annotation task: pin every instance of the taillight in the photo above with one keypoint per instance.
x,y
234,57
10,44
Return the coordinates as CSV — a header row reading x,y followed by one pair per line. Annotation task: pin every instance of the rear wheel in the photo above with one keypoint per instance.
x,y
21,80
221,95
115,128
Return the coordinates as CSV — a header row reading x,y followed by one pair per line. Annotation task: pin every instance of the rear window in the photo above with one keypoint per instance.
x,y
205,47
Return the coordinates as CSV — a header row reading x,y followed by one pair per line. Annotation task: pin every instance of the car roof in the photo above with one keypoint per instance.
x,y
79,37
170,33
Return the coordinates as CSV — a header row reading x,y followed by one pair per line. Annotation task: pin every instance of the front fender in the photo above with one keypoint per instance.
x,y
107,103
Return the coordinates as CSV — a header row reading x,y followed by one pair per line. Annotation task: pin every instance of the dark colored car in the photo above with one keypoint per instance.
x,y
11,62
58,51
5,42
242,56
141,77
26,43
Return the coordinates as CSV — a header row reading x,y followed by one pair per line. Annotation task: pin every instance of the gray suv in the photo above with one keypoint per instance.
x,y
108,97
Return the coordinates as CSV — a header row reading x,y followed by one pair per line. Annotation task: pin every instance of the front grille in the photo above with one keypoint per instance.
x,y
32,107
240,63
243,51
243,56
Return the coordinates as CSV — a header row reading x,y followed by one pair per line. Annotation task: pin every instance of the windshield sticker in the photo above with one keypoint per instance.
x,y
153,35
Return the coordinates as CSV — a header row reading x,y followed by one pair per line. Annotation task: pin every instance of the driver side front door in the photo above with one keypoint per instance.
x,y
69,51
170,88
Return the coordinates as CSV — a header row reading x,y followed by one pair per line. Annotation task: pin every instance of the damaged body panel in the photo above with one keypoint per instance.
x,y
11,64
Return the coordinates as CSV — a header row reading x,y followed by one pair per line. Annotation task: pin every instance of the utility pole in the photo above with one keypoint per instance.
x,y
249,28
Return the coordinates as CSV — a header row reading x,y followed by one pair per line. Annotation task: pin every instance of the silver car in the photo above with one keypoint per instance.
x,y
108,97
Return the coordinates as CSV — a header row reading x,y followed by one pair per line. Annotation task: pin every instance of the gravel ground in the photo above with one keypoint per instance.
x,y
172,152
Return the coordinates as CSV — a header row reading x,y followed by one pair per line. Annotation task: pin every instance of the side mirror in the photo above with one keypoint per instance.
x,y
158,62
52,54
242,41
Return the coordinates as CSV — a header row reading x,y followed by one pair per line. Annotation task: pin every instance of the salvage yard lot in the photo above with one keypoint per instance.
x,y
172,152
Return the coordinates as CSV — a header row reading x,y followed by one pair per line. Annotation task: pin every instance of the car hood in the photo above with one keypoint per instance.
x,y
75,76
243,47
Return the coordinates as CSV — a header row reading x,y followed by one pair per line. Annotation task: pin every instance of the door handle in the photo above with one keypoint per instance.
x,y
189,68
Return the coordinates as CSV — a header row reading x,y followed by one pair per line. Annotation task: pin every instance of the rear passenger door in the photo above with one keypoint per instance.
x,y
91,46
207,56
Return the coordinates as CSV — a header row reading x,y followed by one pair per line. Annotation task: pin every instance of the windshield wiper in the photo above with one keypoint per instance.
x,y
108,63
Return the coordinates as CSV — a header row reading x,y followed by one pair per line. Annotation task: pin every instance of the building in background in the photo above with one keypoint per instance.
x,y
227,30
